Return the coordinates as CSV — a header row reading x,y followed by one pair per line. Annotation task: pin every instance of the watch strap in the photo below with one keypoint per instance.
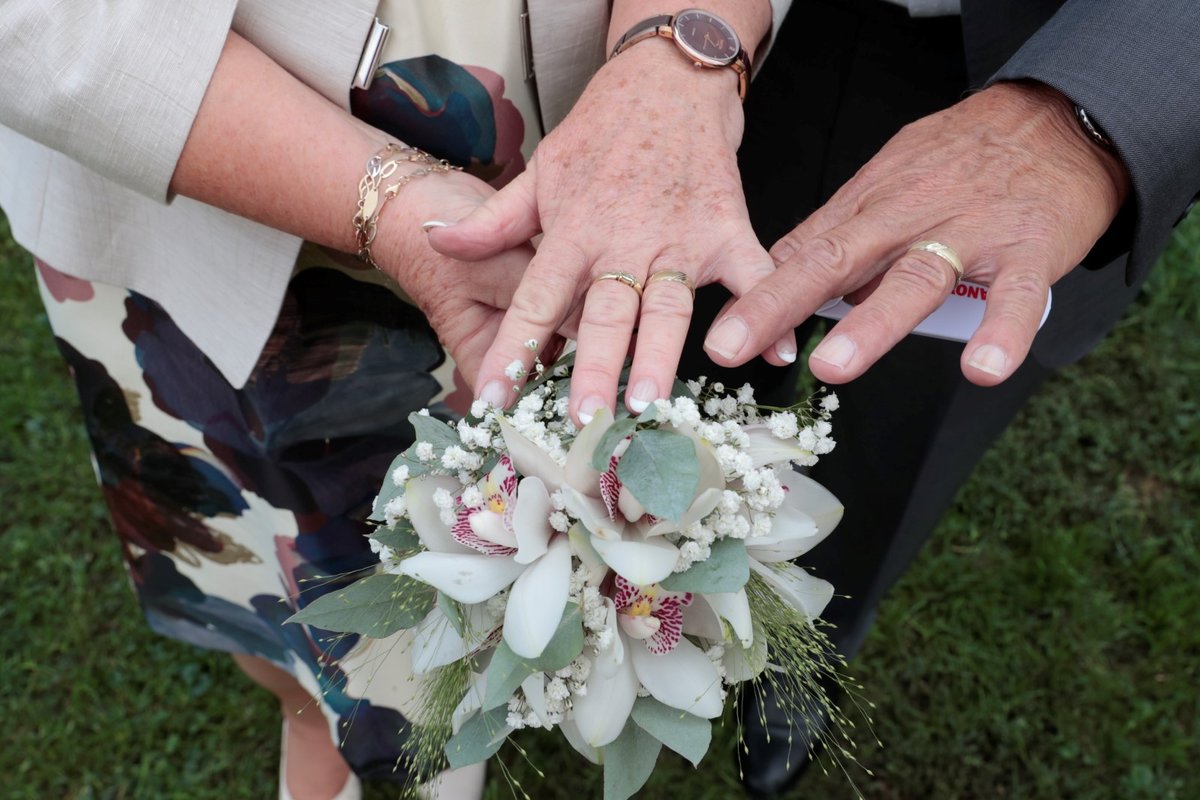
x,y
654,26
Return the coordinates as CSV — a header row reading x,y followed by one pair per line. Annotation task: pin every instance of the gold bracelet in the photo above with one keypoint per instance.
x,y
371,198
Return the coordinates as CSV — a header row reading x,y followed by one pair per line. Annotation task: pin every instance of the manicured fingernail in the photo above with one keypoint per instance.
x,y
589,407
786,350
836,350
728,338
434,223
642,395
990,359
495,394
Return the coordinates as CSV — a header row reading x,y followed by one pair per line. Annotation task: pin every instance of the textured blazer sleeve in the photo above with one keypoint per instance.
x,y
114,85
1135,66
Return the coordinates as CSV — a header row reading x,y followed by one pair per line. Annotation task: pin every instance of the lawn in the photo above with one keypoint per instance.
x,y
1046,644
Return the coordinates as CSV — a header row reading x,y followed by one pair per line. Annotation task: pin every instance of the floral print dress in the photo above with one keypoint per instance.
x,y
235,507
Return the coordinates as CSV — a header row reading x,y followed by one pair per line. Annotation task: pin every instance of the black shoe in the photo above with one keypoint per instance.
x,y
777,744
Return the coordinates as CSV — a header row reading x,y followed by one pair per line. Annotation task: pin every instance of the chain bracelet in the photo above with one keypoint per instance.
x,y
371,199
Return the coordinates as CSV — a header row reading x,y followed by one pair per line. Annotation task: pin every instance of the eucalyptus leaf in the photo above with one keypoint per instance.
x,y
508,670
433,430
454,613
660,468
726,570
376,606
680,389
628,761
609,441
478,739
399,537
684,733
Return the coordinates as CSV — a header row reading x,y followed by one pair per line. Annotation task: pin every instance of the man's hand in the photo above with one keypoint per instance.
x,y
1005,178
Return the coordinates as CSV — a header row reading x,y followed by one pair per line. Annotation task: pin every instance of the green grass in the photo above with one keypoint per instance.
x,y
1045,645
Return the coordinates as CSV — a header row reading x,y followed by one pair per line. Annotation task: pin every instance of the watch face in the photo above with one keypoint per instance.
x,y
707,37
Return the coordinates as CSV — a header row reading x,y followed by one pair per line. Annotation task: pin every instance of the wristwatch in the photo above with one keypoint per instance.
x,y
704,39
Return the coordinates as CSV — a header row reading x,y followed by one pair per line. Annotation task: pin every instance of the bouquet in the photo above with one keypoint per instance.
x,y
615,582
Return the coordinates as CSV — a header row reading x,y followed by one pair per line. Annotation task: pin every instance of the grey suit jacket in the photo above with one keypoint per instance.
x,y
1135,66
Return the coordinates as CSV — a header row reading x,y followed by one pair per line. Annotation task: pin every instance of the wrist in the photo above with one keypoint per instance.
x,y
704,95
1051,109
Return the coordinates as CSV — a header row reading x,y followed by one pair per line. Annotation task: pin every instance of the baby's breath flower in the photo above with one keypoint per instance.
x,y
394,510
514,370
783,425
425,451
400,475
472,497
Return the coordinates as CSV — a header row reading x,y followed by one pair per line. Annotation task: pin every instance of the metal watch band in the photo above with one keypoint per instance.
x,y
644,30
661,26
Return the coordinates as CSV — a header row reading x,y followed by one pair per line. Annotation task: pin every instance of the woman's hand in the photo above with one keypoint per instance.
x,y
640,178
1005,178
463,301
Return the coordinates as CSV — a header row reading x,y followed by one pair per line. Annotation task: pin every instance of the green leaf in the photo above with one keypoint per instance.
x,y
680,389
504,675
684,733
726,569
628,761
609,441
508,669
453,611
433,430
478,739
661,470
376,606
400,537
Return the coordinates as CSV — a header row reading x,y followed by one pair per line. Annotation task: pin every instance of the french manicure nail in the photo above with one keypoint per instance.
x,y
836,350
728,338
990,359
786,351
434,223
589,407
642,395
495,393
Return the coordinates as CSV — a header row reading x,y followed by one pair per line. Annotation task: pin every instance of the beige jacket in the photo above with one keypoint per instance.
x,y
95,127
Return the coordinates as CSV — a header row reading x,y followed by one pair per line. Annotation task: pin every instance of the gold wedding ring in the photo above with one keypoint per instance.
x,y
626,278
944,252
674,276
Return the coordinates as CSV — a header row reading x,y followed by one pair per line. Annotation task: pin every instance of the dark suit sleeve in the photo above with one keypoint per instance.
x,y
1135,66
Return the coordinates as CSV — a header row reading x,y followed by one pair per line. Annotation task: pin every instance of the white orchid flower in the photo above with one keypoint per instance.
x,y
809,513
643,646
504,541
629,540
